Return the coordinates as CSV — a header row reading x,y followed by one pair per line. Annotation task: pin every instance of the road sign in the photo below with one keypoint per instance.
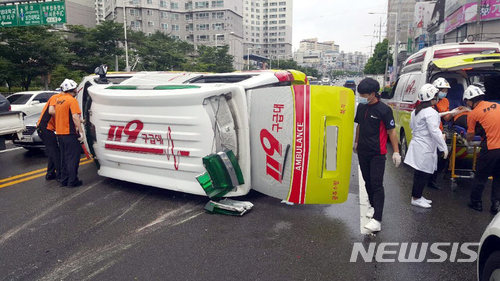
x,y
33,14
8,16
29,14
53,12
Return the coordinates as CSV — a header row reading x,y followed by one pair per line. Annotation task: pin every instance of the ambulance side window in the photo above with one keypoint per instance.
x,y
399,87
410,90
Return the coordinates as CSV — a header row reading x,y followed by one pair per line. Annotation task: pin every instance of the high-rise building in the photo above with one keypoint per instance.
x,y
212,23
312,44
267,26
404,11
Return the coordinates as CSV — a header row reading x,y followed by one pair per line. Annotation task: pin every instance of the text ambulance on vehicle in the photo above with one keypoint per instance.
x,y
291,140
461,64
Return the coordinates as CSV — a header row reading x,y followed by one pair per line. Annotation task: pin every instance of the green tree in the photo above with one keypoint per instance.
x,y
159,51
91,47
211,59
31,51
376,64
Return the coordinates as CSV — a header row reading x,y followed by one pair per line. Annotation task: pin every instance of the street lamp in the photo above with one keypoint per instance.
x,y
248,58
127,67
395,55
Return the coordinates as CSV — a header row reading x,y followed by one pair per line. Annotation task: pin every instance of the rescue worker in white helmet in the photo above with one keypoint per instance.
x,y
487,115
67,112
427,138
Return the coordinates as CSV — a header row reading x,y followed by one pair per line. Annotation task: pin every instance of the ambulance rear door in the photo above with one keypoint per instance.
x,y
301,140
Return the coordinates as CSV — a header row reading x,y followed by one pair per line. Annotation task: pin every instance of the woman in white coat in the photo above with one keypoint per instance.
x,y
427,138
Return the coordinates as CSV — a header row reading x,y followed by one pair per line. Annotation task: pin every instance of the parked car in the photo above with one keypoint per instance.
x,y
488,261
351,85
30,102
11,122
4,104
30,139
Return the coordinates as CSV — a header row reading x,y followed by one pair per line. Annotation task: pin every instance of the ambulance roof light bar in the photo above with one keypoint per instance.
x,y
284,76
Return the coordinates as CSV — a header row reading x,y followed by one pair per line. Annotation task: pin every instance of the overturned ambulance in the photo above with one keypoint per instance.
x,y
291,140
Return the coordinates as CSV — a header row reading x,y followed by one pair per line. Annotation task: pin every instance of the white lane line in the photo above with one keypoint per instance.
x,y
10,149
363,204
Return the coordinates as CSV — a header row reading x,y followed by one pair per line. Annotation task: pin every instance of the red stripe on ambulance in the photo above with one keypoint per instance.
x,y
301,147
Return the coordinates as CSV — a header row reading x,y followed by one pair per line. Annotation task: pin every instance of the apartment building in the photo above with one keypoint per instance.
x,y
404,11
267,27
212,23
312,44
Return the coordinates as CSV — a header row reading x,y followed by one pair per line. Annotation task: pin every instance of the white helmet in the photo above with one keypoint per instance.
x,y
441,83
68,85
427,92
472,92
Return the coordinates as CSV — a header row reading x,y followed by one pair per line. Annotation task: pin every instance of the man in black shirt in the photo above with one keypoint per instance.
x,y
375,123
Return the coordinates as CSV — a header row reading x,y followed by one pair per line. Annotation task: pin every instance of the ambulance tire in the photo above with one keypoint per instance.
x,y
491,270
403,146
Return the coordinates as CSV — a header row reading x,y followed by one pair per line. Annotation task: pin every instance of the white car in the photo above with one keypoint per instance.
x,y
488,261
30,102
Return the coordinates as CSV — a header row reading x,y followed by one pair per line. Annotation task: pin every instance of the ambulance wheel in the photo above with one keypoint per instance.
x,y
403,147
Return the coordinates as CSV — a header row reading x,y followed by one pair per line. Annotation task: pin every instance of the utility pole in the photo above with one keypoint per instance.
x,y
396,45
478,21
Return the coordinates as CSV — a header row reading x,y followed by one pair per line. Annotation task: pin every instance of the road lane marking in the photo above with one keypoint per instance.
x,y
24,178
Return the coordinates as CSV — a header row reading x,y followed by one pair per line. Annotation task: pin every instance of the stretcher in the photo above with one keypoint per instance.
x,y
461,149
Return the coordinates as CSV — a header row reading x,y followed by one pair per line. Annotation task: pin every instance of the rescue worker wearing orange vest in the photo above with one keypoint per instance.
x,y
486,114
67,112
46,131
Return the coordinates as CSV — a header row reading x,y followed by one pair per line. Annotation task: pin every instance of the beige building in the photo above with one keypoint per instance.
x,y
313,45
212,23
267,26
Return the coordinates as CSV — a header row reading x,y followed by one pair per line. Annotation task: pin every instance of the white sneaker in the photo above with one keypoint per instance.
x,y
426,200
373,225
420,202
370,212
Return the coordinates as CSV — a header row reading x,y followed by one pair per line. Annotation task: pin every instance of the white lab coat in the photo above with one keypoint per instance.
x,y
426,139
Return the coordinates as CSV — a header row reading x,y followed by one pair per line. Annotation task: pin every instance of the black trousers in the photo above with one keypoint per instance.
x,y
441,164
488,164
50,141
372,169
70,158
420,179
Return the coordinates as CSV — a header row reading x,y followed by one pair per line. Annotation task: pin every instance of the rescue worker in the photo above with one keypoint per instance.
x,y
46,131
487,115
68,127
427,138
375,123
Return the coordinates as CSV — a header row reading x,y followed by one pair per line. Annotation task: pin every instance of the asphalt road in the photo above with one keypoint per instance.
x,y
113,230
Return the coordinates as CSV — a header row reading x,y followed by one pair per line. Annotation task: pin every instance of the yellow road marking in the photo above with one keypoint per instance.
x,y
10,182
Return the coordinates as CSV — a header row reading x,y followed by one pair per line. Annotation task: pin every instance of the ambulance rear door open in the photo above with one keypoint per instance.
x,y
301,142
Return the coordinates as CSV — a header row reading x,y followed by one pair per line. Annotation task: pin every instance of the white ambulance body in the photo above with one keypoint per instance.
x,y
292,141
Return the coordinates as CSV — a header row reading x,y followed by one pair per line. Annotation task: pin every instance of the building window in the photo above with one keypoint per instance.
x,y
174,6
134,12
203,26
273,10
282,15
218,26
202,16
282,21
150,12
163,4
218,4
188,6
202,38
218,15
151,24
164,26
282,3
175,27
282,9
201,5
164,15
189,16
272,4
189,27
150,2
175,16
176,37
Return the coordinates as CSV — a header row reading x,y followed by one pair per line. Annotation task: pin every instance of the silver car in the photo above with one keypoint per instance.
x,y
30,139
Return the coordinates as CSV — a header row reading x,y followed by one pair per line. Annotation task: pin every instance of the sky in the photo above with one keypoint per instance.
x,y
343,21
